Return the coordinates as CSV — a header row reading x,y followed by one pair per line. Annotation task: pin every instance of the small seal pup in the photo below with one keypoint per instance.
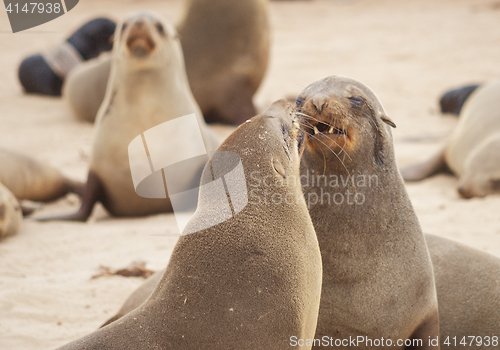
x,y
147,87
472,152
30,179
10,213
44,74
377,272
250,282
226,49
468,287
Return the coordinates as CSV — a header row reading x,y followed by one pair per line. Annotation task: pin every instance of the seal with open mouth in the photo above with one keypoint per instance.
x,y
250,282
147,87
378,280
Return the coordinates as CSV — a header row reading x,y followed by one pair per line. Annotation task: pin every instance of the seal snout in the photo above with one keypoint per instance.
x,y
319,102
139,40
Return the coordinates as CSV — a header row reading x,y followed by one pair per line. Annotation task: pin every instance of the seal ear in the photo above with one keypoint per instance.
x,y
388,121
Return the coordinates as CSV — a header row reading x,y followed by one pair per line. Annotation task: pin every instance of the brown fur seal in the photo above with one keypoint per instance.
x,y
472,152
226,45
468,287
226,50
10,213
250,282
29,179
85,86
147,87
377,274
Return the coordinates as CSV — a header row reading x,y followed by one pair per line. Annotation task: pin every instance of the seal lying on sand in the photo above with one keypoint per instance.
x,y
29,179
148,86
377,272
44,74
250,282
472,152
226,50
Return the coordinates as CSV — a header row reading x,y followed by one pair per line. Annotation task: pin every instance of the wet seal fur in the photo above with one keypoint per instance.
x,y
30,179
377,273
38,76
10,213
472,152
148,86
223,82
250,282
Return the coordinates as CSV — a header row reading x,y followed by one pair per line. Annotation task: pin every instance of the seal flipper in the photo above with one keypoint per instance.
x,y
92,193
435,165
452,101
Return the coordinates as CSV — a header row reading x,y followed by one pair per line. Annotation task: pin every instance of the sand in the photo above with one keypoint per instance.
x,y
408,52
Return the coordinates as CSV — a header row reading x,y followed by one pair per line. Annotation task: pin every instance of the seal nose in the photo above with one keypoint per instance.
x,y
319,102
465,191
139,24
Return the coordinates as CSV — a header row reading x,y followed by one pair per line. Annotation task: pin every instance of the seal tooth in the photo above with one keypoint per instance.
x,y
316,131
331,130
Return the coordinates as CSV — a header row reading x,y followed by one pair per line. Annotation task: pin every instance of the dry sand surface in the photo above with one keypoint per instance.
x,y
408,52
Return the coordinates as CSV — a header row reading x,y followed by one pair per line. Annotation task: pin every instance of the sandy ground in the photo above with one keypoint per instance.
x,y
408,52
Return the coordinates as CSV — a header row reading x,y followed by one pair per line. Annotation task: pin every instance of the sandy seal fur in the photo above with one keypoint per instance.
x,y
377,273
250,282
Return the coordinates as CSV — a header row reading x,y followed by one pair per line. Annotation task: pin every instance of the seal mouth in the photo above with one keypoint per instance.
x,y
140,45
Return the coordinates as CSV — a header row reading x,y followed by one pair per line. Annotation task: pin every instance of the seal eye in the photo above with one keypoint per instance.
x,y
284,130
356,101
299,102
160,28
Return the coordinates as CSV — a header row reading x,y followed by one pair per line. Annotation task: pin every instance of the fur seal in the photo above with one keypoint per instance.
x,y
377,274
468,287
231,37
10,213
472,152
147,87
44,74
452,101
29,179
250,282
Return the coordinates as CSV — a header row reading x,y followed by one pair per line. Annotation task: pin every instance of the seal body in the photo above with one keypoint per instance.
x,y
249,282
468,287
44,74
29,179
471,153
147,87
377,273
226,50
10,213
85,87
226,47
